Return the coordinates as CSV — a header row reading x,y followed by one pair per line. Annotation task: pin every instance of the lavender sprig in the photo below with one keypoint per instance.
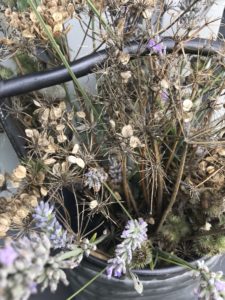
x,y
45,219
211,286
134,235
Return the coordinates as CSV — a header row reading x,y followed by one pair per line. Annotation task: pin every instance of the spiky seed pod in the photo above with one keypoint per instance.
x,y
209,245
175,229
142,256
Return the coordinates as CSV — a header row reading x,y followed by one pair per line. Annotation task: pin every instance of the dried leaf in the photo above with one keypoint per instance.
x,y
135,142
76,160
127,131
81,114
49,161
43,191
75,149
138,286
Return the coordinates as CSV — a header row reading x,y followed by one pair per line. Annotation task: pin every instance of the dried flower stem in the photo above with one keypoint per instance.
x,y
117,200
160,178
176,188
172,154
143,181
180,16
128,193
62,57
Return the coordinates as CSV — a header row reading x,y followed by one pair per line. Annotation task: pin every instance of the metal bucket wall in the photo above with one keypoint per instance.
x,y
175,283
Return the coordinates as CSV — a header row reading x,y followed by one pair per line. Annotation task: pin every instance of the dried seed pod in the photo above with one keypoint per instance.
x,y
20,172
210,169
127,131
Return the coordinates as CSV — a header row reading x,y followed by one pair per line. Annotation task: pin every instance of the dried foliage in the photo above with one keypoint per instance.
x,y
156,148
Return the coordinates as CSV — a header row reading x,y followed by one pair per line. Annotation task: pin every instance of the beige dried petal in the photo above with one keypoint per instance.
x,y
81,114
2,180
56,113
43,191
164,84
202,165
64,166
20,172
76,148
124,58
57,17
45,115
3,229
41,8
126,76
49,161
22,212
62,106
127,131
61,138
112,123
76,160
33,17
37,103
135,142
60,127
221,151
187,105
210,169
29,133
93,204
27,34
5,219
58,28
56,169
17,220
33,201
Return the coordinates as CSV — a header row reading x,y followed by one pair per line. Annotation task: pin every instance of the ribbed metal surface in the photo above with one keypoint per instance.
x,y
173,283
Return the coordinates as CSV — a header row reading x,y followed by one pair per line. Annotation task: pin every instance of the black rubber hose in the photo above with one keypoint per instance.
x,y
86,65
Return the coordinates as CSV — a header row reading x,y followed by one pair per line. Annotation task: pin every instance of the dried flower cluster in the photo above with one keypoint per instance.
x,y
54,13
134,235
148,146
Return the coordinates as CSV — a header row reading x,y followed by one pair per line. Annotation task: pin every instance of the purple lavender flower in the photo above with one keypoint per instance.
x,y
134,235
45,219
155,46
116,268
8,255
211,286
220,285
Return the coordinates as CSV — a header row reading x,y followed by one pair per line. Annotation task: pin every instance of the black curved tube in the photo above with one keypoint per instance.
x,y
86,65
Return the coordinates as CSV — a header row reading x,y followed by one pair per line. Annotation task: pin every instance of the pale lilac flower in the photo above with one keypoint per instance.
x,y
155,46
94,178
45,219
211,284
116,267
8,255
134,235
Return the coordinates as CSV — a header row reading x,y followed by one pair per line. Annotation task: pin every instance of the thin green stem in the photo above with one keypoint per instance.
x,y
62,57
86,285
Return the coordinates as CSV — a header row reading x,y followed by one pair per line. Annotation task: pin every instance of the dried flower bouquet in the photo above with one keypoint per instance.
x,y
143,159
